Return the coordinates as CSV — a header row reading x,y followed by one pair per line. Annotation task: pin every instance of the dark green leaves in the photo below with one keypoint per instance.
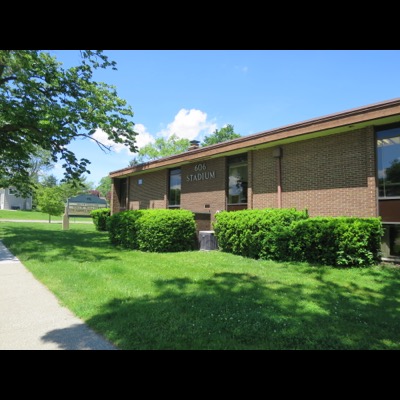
x,y
42,104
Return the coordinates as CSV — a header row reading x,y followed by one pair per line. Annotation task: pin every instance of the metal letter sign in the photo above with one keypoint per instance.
x,y
82,205
200,174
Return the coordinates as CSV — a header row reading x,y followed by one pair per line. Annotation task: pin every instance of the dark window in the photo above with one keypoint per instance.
x,y
391,240
388,149
237,179
174,199
122,193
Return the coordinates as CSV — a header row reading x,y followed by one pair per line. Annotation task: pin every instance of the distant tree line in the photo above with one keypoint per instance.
x,y
165,147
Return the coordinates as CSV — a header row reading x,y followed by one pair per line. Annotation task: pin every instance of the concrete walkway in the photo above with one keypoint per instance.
x,y
31,317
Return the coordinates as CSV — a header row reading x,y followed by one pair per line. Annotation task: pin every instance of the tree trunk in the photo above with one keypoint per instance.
x,y
49,218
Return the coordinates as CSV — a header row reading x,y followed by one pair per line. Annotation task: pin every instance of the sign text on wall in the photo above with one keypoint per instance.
x,y
83,209
200,174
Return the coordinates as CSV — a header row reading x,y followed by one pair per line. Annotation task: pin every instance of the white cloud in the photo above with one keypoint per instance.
x,y
143,136
142,139
189,124
102,137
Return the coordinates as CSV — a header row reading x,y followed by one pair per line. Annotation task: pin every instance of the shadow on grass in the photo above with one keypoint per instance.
x,y
77,337
50,242
242,311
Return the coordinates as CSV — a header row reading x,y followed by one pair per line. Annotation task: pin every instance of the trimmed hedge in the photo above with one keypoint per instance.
x,y
100,218
122,228
289,235
156,230
255,233
337,241
166,230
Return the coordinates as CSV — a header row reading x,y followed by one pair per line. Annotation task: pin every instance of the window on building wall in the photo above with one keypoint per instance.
x,y
237,179
388,165
388,148
13,192
174,198
391,241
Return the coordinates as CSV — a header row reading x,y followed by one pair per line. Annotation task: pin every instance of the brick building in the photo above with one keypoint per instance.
x,y
342,164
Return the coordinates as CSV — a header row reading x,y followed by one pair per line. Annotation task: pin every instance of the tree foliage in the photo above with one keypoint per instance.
x,y
47,106
221,135
71,189
393,172
162,147
48,181
40,162
94,192
104,186
50,200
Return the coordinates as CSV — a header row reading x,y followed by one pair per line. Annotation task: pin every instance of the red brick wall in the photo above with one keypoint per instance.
x,y
115,204
152,193
330,176
196,194
203,223
264,179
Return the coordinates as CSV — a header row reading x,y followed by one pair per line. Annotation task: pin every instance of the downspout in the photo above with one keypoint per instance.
x,y
278,155
128,188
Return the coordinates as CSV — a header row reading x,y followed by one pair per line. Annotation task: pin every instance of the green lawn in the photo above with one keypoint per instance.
x,y
209,300
34,215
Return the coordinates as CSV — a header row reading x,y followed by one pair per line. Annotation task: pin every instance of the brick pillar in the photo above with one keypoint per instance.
x,y
115,203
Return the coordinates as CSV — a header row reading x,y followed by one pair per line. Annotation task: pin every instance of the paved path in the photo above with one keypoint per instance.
x,y
31,317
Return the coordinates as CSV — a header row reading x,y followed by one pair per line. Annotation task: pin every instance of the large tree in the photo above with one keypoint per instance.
x,y
71,189
47,106
161,148
104,186
49,181
40,162
221,135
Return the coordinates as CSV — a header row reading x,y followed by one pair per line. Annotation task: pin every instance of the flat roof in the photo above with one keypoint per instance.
x,y
381,113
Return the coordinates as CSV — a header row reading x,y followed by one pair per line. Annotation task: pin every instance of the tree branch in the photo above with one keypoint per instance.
x,y
9,78
16,128
102,146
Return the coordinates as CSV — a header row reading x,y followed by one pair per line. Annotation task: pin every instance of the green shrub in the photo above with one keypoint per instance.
x,y
157,230
312,241
100,218
256,233
162,230
337,241
122,228
289,235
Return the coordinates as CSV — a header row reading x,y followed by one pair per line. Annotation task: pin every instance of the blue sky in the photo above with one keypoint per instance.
x,y
193,92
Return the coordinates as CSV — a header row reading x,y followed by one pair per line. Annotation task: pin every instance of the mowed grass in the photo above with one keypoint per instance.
x,y
34,216
209,300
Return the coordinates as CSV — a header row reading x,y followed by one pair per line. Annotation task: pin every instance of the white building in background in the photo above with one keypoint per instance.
x,y
10,201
